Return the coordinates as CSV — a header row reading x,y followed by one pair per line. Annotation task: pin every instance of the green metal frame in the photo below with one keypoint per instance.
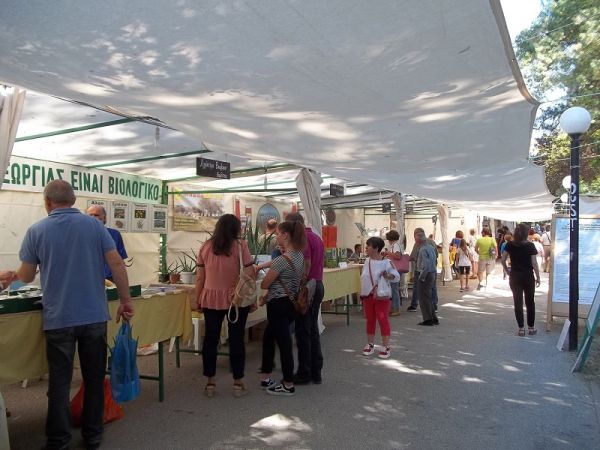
x,y
74,130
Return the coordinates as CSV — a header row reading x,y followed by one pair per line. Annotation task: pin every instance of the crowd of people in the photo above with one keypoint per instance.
x,y
77,250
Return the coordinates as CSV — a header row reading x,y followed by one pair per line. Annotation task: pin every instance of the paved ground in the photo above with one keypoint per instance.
x,y
470,383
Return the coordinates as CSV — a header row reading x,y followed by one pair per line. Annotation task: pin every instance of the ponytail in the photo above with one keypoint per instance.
x,y
296,233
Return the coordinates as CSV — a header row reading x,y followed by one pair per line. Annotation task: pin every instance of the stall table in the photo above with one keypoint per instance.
x,y
341,283
157,318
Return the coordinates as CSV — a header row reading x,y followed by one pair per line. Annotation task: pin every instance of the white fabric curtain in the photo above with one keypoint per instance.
x,y
444,214
398,200
309,190
11,106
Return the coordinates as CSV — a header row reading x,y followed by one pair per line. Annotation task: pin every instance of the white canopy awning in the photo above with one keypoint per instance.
x,y
417,97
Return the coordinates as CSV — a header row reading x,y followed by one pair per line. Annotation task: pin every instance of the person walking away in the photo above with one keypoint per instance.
x,y
376,309
537,242
395,253
427,270
471,243
308,338
218,273
487,249
464,258
99,213
70,249
413,257
521,277
507,238
282,281
547,245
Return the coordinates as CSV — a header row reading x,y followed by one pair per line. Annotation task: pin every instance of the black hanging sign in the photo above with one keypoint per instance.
x,y
336,190
386,207
213,169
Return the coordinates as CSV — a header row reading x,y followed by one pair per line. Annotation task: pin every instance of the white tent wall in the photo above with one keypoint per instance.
x,y
21,209
348,235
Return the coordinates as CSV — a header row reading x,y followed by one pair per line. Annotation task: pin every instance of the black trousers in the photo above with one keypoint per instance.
x,y
213,319
522,285
280,313
60,350
308,340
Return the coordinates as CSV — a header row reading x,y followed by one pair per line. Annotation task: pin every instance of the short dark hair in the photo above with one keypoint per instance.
x,y
357,247
486,232
376,242
271,224
392,235
459,234
59,192
295,217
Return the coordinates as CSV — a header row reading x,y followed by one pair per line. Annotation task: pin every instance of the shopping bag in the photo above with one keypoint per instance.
x,y
402,264
112,410
124,375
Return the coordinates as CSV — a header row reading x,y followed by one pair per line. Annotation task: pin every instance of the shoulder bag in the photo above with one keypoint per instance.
x,y
244,293
382,290
306,291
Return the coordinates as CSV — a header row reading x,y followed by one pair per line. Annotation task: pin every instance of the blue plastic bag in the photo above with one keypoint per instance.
x,y
124,375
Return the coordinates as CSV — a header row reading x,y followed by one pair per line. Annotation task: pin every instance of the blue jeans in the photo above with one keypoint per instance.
x,y
60,349
308,340
414,301
395,295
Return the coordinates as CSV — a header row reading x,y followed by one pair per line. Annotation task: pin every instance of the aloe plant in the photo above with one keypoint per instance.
x,y
255,245
188,262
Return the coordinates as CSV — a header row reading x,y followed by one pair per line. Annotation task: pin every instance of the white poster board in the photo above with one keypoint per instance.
x,y
120,217
589,265
140,218
159,219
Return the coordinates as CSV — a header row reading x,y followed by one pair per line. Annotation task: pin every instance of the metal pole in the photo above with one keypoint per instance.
x,y
574,243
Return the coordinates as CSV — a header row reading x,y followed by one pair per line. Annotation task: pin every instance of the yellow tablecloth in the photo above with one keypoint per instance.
x,y
23,346
341,282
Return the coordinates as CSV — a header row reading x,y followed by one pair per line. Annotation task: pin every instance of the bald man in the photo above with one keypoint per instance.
x,y
99,213
71,249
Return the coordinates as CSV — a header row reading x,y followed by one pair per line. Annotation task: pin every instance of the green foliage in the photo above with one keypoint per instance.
x,y
560,57
187,262
257,242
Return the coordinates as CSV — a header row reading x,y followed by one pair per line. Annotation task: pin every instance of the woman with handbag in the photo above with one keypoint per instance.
x,y
283,283
397,259
218,274
376,292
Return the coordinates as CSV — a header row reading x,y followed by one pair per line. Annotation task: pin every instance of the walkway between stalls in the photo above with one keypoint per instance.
x,y
469,383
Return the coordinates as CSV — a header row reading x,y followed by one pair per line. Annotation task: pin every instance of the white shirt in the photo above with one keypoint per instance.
x,y
377,269
546,238
463,257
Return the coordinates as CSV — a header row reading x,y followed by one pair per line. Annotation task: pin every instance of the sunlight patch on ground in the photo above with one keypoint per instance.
x,y
557,401
520,402
397,365
281,422
472,379
465,353
549,383
462,362
510,368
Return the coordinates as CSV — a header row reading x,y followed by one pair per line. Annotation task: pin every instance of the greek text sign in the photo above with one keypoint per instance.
x,y
32,175
213,169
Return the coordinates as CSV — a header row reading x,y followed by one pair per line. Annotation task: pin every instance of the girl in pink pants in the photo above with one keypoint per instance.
x,y
376,308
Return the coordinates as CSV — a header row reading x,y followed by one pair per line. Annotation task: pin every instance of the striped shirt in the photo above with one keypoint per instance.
x,y
288,276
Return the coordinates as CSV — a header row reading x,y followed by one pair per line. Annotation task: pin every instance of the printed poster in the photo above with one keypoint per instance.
x,y
159,218
140,218
197,212
119,218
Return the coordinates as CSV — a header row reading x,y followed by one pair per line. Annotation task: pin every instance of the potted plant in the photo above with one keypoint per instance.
x,y
174,272
187,265
256,244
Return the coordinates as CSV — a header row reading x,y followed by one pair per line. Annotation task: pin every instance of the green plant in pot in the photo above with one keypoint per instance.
x,y
187,264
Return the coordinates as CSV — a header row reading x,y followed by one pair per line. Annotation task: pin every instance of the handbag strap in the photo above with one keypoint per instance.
x,y
373,285
240,257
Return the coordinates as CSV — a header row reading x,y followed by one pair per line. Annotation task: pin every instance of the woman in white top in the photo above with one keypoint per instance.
x,y
376,308
464,259
537,242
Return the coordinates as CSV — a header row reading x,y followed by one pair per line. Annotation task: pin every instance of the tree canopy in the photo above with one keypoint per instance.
x,y
559,56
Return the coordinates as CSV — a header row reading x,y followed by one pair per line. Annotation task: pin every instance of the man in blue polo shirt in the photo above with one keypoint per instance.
x,y
99,213
70,249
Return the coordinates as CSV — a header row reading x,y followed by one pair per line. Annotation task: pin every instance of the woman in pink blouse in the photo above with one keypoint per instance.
x,y
218,273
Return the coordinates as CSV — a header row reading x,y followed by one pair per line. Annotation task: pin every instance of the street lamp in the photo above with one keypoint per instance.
x,y
574,121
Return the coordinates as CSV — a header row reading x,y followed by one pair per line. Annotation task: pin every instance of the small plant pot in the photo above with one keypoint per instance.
x,y
163,278
188,277
174,278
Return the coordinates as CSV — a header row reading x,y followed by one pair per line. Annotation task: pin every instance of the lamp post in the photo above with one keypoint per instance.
x,y
574,121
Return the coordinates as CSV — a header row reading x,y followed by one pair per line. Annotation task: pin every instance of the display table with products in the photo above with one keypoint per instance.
x,y
157,318
341,283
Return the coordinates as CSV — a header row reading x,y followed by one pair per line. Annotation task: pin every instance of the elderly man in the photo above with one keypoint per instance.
x,y
99,213
70,249
426,268
413,257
